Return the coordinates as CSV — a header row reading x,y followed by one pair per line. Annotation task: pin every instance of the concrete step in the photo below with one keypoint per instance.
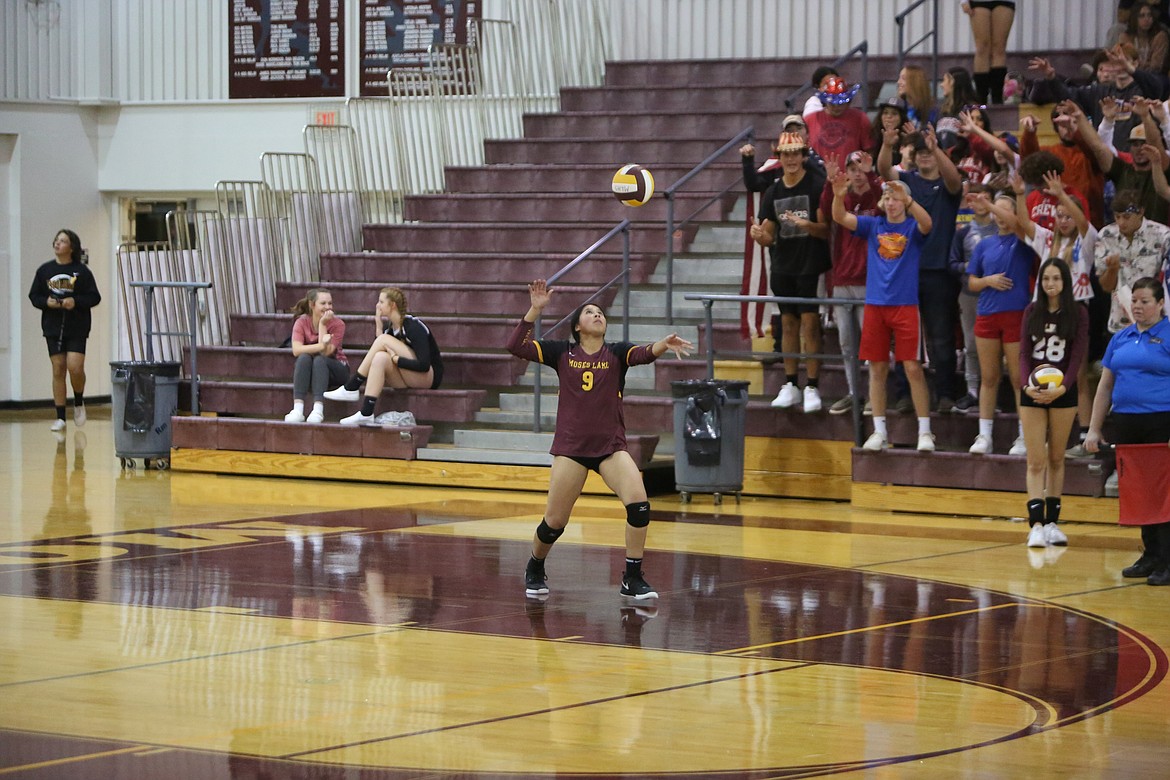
x,y
684,98
613,151
649,123
596,178
501,267
444,298
515,237
589,206
494,439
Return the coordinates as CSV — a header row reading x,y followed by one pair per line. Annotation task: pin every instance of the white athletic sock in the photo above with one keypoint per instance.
x,y
879,426
985,427
318,407
299,405
923,425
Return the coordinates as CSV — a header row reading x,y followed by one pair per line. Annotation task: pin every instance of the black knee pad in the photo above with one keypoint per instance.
x,y
548,534
638,515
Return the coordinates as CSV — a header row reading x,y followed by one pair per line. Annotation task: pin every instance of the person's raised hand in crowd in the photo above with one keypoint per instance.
x,y
1053,185
840,181
1043,66
865,161
890,137
967,122
1028,123
929,137
1016,182
1141,107
832,168
747,150
1110,108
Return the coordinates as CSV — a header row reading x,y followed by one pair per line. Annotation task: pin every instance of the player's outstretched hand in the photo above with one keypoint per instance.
x,y
679,346
539,294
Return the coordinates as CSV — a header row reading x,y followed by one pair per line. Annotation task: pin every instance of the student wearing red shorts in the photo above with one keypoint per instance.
x,y
999,271
893,246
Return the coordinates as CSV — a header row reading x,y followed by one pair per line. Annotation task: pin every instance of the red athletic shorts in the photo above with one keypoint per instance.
x,y
880,324
1002,326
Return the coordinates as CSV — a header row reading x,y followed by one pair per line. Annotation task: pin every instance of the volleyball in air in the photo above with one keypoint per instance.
x,y
633,185
1046,377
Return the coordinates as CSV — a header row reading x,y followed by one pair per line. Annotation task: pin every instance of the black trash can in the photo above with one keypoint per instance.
x,y
709,422
145,397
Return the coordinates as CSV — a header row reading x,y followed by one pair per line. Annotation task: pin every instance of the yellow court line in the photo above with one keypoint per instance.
x,y
74,759
872,628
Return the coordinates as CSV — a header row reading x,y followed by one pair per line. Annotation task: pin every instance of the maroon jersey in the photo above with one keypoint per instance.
x,y
1065,354
590,423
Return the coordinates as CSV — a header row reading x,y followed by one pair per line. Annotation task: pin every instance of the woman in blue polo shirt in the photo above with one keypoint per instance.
x,y
1135,379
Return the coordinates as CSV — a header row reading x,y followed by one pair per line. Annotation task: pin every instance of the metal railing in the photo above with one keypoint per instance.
x,y
849,357
623,228
671,226
932,34
192,332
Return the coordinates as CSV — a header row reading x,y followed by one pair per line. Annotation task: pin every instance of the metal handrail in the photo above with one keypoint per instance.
x,y
192,289
746,134
932,33
622,227
849,356
863,49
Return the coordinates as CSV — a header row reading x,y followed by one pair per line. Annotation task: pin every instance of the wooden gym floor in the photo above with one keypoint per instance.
x,y
161,624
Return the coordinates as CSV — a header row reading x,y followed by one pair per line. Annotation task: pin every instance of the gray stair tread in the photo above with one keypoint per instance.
x,y
472,455
483,438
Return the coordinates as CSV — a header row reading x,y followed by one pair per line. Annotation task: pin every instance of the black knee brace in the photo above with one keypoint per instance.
x,y
548,534
638,515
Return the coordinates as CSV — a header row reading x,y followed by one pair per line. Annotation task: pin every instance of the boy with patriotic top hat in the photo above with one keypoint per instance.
x,y
798,244
839,129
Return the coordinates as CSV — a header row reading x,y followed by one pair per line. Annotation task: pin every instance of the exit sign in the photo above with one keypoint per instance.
x,y
325,118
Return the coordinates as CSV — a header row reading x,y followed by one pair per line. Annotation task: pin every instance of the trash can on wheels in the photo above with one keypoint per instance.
x,y
145,397
709,416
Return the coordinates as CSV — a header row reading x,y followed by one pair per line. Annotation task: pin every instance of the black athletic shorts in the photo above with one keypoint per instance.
x,y
67,344
593,464
991,5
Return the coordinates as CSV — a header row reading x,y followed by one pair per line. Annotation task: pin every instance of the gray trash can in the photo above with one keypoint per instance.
x,y
145,396
709,417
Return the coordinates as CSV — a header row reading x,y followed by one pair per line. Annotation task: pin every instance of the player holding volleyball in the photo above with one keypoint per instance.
x,y
1055,331
591,429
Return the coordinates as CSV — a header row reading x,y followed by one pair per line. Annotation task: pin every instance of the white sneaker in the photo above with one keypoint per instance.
x,y
341,394
295,416
79,415
315,417
357,418
876,443
1037,537
787,397
58,425
812,399
1112,485
1018,447
926,442
982,445
1054,535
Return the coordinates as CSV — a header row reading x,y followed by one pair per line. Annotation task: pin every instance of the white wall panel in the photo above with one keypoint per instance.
x,y
712,29
177,50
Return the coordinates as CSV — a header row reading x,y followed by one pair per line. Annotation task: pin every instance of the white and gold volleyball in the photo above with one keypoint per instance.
x,y
1046,376
633,185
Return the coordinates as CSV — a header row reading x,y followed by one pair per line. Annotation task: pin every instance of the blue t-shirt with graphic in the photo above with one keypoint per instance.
x,y
891,271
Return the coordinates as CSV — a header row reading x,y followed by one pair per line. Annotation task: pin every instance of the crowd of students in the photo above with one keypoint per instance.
x,y
978,253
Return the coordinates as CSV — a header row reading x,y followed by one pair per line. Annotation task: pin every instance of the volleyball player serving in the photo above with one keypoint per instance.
x,y
591,429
